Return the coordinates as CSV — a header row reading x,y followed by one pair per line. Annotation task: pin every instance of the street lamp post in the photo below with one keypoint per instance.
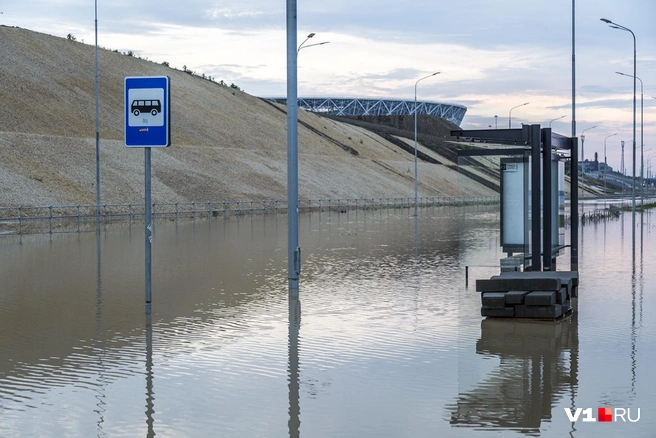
x,y
642,138
97,127
496,118
583,164
606,162
415,111
510,112
557,118
293,248
626,29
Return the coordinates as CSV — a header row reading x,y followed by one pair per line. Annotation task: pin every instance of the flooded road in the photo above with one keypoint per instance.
x,y
386,339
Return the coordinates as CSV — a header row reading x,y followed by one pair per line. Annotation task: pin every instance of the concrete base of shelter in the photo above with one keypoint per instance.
x,y
537,295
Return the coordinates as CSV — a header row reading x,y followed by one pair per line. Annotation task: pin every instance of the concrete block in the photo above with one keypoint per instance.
x,y
515,297
517,281
570,279
549,312
510,269
505,312
561,295
540,298
493,299
566,307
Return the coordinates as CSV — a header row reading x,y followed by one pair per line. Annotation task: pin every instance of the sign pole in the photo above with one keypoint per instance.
x,y
148,219
147,124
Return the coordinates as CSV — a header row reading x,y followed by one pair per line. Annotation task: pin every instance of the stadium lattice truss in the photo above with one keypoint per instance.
x,y
342,106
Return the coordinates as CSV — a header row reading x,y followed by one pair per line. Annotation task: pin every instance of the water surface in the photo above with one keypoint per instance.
x,y
386,339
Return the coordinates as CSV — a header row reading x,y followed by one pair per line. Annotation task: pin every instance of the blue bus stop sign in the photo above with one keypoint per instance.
x,y
147,111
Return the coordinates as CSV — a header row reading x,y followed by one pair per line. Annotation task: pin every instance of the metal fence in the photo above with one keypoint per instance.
x,y
78,218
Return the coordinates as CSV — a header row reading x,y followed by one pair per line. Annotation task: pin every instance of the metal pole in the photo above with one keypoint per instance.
x,y
149,229
606,162
293,249
536,218
634,138
574,231
97,125
642,144
642,147
415,111
583,164
574,72
620,27
582,170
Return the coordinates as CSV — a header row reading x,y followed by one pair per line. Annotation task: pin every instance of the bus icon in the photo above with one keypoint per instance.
x,y
146,106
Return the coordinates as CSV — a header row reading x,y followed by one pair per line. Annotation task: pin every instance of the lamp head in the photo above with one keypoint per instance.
x,y
311,35
606,20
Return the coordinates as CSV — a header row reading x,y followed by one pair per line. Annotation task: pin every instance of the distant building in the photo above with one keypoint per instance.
x,y
595,166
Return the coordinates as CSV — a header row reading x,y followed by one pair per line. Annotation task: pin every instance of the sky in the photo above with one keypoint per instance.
x,y
491,55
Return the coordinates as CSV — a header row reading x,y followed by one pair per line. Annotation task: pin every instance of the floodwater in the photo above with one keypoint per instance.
x,y
386,340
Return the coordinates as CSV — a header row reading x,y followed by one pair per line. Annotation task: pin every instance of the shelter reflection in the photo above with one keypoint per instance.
x,y
538,365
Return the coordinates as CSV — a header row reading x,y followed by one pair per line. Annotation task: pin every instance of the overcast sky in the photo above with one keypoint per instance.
x,y
492,55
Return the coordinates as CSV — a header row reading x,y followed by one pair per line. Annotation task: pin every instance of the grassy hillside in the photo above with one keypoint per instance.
x,y
226,144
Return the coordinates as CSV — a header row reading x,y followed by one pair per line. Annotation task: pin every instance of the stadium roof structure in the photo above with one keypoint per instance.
x,y
355,106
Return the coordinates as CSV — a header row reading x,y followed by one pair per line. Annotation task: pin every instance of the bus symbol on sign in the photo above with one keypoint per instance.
x,y
146,106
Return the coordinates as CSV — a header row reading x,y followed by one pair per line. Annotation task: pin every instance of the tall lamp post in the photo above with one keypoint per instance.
x,y
415,111
293,248
642,138
626,29
606,161
510,113
97,127
557,118
583,164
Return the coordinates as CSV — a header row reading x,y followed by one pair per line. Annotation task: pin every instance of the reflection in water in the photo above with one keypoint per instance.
x,y
538,363
294,423
100,341
150,398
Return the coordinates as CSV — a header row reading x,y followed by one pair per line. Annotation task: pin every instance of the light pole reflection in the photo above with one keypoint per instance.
x,y
294,423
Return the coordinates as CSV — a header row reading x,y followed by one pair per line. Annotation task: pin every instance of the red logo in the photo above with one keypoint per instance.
x,y
605,414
